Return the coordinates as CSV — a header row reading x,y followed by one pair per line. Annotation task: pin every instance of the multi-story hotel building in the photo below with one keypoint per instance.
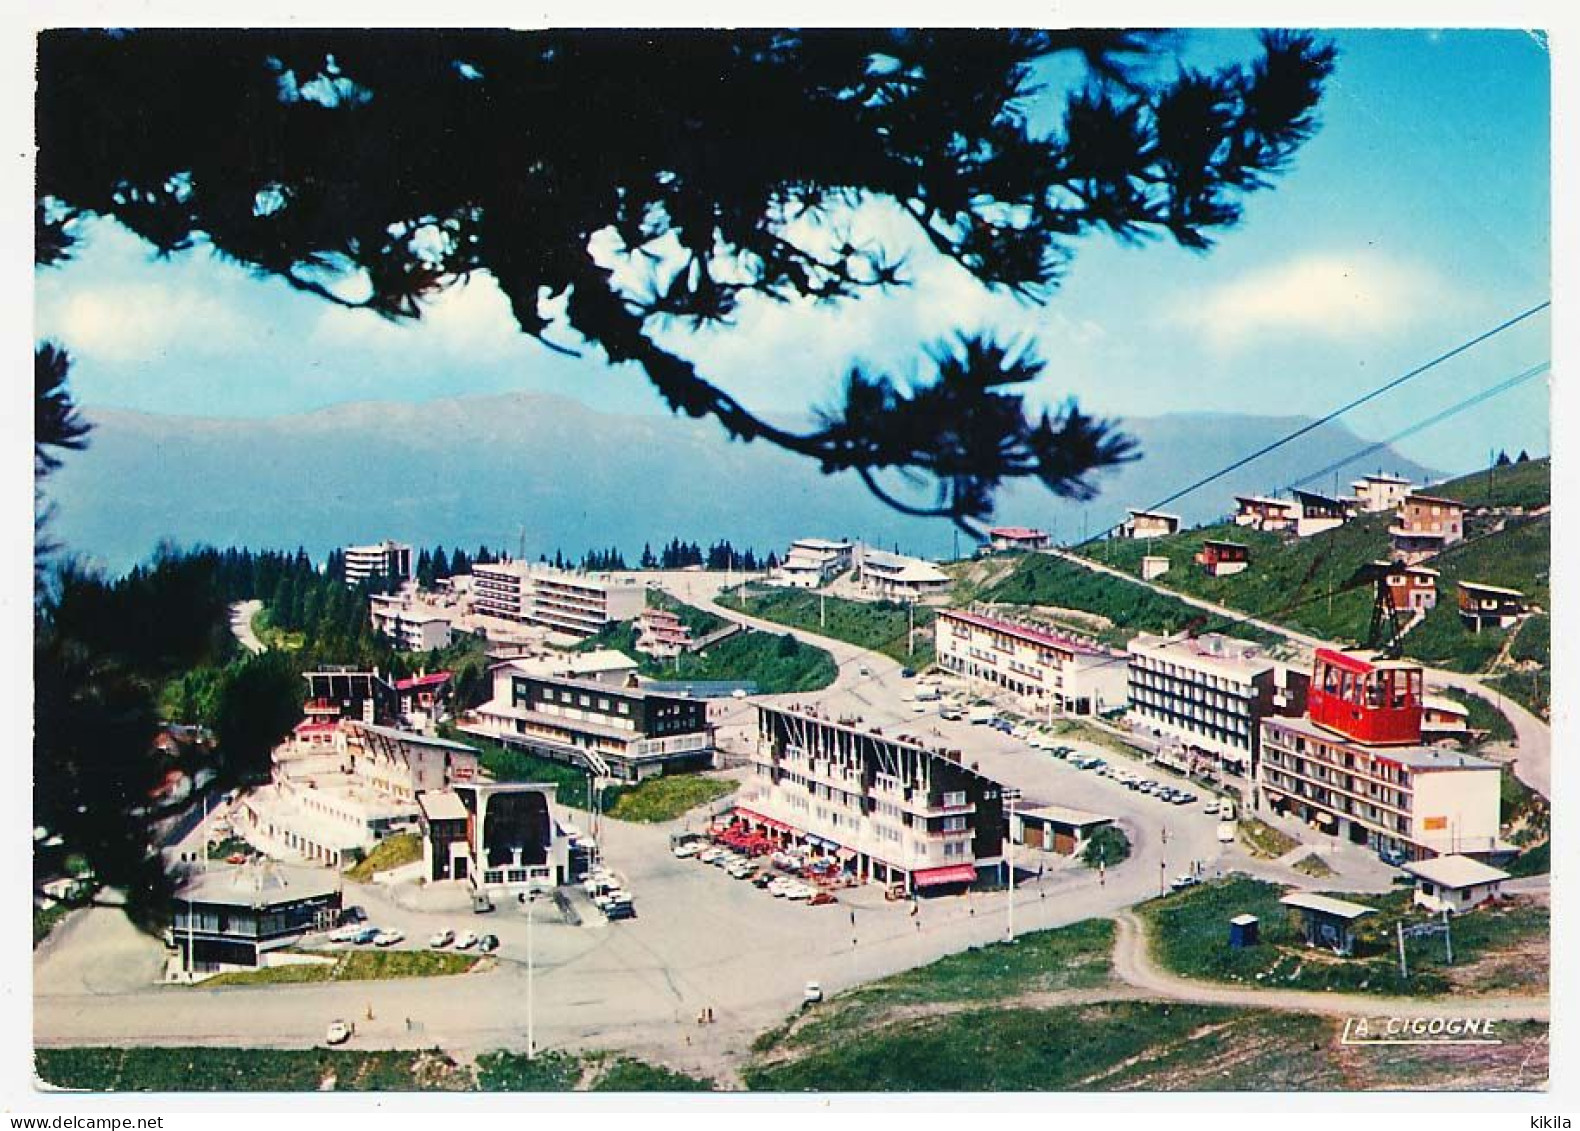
x,y
1356,767
1205,697
1047,671
660,633
575,604
383,559
887,808
897,576
636,734
413,625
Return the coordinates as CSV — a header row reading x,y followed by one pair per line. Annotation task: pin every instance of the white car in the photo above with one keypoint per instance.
x,y
466,940
689,848
1211,807
812,993
920,708
798,892
710,854
338,1034
345,934
441,938
388,938
778,888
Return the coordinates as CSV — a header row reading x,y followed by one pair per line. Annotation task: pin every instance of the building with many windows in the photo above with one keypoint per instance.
x,y
1204,699
1260,512
1356,767
387,559
661,633
1048,672
884,808
335,693
634,734
242,917
1425,525
1317,513
412,624
571,603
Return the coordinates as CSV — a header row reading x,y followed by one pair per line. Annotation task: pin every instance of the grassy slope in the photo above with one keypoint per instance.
x,y
763,658
1189,932
1290,580
354,966
666,798
392,852
877,625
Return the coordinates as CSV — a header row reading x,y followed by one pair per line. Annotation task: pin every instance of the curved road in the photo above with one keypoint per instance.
x,y
1533,765
1133,964
241,614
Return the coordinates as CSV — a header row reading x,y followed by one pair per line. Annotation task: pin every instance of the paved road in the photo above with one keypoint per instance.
x,y
241,614
1134,966
1532,765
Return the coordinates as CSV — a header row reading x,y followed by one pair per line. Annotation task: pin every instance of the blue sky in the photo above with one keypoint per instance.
x,y
1417,217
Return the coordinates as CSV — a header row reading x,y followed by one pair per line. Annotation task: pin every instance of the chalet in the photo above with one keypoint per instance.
x,y
1455,883
1221,559
661,633
1002,538
1489,606
1262,513
1442,718
1377,493
1149,524
1318,513
898,577
425,695
347,693
1412,587
1425,525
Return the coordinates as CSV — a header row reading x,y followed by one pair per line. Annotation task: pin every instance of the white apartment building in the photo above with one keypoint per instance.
x,y
1423,801
1377,493
1046,671
383,559
898,577
1204,699
414,625
812,562
565,601
337,789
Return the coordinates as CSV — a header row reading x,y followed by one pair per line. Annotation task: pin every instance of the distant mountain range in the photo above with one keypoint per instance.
x,y
496,470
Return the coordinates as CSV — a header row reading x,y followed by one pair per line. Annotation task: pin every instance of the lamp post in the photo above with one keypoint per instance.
x,y
1011,795
532,1044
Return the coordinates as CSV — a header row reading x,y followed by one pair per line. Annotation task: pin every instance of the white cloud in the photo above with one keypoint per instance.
x,y
472,320
1344,295
132,322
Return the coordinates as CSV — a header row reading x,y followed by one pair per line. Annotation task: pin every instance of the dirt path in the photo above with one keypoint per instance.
x,y
1133,964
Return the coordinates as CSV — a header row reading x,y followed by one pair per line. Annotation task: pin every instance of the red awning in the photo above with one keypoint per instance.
x,y
762,820
953,874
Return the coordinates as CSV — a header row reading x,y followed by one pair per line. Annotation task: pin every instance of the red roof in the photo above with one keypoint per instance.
x,y
416,681
953,874
1035,635
1014,532
317,728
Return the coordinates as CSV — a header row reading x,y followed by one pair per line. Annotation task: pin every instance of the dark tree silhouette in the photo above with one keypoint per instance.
x,y
377,169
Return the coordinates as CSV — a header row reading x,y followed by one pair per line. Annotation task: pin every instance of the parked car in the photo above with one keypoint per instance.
x,y
466,940
345,934
338,1033
353,914
688,848
388,938
365,935
1211,807
441,938
907,673
1182,882
812,993
821,899
1392,856
762,879
949,714
488,944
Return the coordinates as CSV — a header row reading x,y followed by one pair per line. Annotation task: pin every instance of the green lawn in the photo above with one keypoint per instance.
x,y
625,1074
1532,690
370,965
391,852
668,797
506,764
564,1072
880,626
1188,932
